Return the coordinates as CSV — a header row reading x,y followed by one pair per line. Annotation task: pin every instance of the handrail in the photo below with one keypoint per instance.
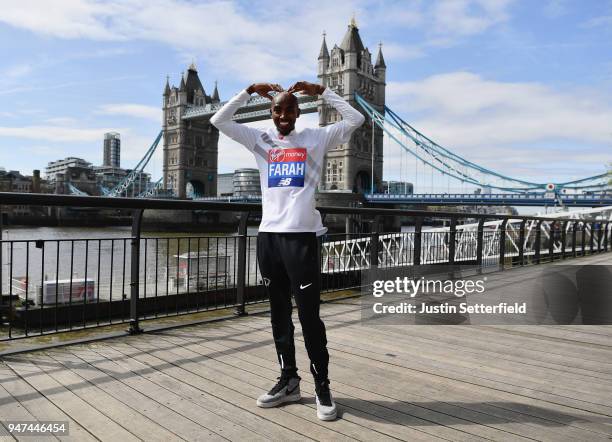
x,y
44,199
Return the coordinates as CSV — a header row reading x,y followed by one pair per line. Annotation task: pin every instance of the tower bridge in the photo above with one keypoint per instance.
x,y
190,144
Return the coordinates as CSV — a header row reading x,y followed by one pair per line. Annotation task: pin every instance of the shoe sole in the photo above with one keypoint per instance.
x,y
327,417
282,400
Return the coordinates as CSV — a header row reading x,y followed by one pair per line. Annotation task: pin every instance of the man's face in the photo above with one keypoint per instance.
x,y
285,111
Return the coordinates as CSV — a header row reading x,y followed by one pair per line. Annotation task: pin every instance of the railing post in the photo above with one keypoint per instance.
x,y
479,241
452,235
599,231
135,272
592,238
583,239
241,277
502,244
563,238
522,243
418,232
538,240
605,233
551,242
574,228
374,237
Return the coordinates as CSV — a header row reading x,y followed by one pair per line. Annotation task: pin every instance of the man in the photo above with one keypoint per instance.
x,y
290,164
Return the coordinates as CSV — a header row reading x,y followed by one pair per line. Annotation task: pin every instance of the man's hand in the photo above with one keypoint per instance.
x,y
307,88
264,89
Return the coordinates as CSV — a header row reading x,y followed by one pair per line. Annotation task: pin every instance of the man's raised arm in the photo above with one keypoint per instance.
x,y
222,119
341,131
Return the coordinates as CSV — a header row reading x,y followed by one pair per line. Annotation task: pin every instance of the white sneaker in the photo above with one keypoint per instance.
x,y
326,407
285,390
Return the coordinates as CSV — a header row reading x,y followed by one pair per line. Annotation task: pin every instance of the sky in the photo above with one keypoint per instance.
x,y
523,87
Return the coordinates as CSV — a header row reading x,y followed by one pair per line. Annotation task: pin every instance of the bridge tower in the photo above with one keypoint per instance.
x,y
190,147
345,69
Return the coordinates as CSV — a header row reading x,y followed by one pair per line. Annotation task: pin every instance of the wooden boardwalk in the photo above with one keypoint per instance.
x,y
459,383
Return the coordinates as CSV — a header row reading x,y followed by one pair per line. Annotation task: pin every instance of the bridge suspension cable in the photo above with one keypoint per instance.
x,y
137,171
454,166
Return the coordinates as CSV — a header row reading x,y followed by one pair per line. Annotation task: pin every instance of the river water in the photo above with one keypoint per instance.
x,y
103,255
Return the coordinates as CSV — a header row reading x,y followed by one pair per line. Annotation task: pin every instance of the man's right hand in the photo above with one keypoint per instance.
x,y
264,89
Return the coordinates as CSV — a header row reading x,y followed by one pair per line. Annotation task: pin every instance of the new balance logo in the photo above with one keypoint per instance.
x,y
302,287
284,182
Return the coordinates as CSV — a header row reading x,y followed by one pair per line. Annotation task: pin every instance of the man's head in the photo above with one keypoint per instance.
x,y
285,111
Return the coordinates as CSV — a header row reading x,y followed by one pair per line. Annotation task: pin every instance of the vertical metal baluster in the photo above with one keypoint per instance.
x,y
135,272
217,272
574,228
86,292
156,273
27,285
167,300
110,287
178,253
42,287
123,294
56,306
198,293
70,292
144,286
538,240
522,243
11,290
502,244
563,238
188,297
583,239
98,283
418,234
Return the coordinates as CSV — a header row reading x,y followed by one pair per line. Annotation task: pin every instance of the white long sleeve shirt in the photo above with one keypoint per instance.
x,y
289,166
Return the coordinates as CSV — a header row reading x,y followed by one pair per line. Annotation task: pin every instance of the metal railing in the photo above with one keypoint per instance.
x,y
52,285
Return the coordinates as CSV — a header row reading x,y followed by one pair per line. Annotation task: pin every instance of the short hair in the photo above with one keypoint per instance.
x,y
284,94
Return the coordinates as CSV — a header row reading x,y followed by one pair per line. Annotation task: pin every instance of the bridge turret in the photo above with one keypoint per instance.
x,y
190,147
215,95
350,70
323,57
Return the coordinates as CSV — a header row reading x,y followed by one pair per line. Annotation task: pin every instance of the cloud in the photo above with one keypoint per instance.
x,y
54,133
132,110
507,126
555,8
247,38
468,17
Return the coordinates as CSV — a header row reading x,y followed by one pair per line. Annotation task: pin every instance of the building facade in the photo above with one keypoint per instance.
x,y
60,166
112,150
346,69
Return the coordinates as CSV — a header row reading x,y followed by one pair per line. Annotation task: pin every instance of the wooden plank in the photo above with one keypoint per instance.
x,y
100,425
506,372
439,400
37,405
94,387
427,379
359,426
182,417
12,410
292,415
361,405
156,378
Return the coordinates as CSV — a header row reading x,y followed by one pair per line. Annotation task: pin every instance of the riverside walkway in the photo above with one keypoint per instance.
x,y
200,382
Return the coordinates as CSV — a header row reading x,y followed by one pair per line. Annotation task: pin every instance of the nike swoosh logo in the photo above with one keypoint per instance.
x,y
302,287
293,389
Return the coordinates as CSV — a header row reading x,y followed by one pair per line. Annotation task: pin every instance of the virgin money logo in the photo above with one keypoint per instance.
x,y
276,155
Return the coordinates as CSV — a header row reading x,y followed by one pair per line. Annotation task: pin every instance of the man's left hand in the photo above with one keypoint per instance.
x,y
306,88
